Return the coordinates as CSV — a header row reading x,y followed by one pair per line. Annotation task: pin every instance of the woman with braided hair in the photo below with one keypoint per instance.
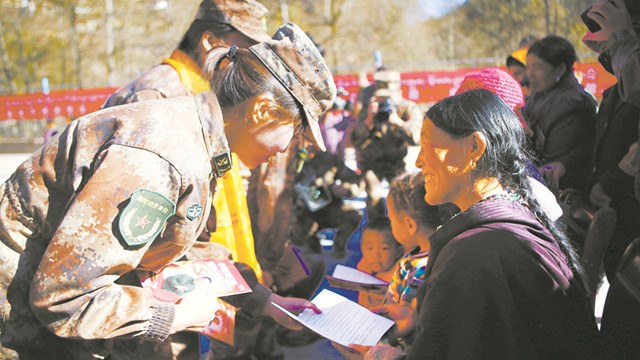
x,y
502,281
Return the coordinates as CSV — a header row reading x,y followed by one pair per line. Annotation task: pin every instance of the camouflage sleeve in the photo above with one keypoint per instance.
x,y
143,95
127,95
74,291
625,58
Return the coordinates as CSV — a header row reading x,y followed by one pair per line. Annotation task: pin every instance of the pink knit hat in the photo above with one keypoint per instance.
x,y
499,82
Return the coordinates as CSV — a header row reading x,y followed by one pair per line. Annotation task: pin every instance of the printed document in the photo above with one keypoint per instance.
x,y
342,320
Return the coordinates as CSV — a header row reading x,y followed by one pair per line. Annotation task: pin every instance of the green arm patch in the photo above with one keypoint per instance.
x,y
143,218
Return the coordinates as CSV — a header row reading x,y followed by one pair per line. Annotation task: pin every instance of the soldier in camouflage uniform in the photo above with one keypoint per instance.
x,y
217,22
123,189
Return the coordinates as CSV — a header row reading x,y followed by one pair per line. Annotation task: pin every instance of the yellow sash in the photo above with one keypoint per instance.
x,y
233,226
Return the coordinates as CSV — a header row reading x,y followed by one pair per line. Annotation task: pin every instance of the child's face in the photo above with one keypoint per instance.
x,y
378,251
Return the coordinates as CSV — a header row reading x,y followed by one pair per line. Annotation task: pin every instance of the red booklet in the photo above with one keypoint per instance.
x,y
220,276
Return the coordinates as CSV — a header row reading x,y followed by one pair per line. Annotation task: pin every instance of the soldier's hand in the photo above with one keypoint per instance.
x,y
195,310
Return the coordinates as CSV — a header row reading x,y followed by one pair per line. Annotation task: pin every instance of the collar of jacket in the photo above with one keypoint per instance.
x,y
500,214
189,72
212,125
537,106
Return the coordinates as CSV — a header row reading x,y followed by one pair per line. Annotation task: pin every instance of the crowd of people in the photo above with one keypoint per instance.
x,y
475,246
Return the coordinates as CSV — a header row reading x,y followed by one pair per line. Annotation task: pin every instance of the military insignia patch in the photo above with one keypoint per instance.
x,y
222,164
194,211
143,218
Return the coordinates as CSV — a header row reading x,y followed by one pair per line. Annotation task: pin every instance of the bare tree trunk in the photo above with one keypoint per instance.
x,y
75,46
23,63
4,58
452,38
547,17
110,43
284,9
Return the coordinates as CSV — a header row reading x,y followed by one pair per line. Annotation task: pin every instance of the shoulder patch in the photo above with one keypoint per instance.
x,y
194,211
143,218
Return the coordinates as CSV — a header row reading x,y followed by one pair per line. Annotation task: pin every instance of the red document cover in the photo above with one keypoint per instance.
x,y
219,275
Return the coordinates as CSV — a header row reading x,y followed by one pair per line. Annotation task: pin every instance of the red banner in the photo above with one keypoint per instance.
x,y
432,86
63,103
421,87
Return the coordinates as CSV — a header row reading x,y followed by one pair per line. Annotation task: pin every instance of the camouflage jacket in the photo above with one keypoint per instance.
x,y
160,81
69,230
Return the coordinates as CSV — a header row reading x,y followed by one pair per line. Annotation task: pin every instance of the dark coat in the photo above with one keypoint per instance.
x,y
563,120
498,287
616,126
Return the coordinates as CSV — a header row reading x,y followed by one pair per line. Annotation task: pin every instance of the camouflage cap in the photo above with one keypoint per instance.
x,y
247,16
296,62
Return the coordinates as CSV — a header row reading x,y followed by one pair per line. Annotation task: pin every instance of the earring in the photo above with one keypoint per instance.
x,y
472,165
558,79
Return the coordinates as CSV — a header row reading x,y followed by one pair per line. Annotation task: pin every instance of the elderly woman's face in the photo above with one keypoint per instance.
x,y
542,75
443,164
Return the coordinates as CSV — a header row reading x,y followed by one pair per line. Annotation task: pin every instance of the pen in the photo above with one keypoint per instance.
x,y
304,266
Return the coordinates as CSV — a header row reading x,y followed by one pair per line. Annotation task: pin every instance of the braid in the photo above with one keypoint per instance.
x,y
506,155
518,180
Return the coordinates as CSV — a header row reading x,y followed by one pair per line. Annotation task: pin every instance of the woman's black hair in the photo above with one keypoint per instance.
x,y
506,155
243,78
556,51
191,39
407,193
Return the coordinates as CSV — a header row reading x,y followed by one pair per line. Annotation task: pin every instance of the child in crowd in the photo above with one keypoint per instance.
x,y
380,255
412,222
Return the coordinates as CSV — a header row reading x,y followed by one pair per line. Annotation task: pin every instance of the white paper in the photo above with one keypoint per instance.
x,y
342,320
356,276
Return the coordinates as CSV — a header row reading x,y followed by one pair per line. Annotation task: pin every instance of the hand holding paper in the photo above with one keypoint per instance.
x,y
277,303
343,321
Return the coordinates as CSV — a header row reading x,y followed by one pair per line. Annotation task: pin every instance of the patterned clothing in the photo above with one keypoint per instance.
x,y
177,76
66,225
161,81
408,277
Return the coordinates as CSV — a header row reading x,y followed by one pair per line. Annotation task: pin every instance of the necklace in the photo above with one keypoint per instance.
x,y
508,195
502,196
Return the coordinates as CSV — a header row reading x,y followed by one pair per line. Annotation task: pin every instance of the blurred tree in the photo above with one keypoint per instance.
x,y
99,43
